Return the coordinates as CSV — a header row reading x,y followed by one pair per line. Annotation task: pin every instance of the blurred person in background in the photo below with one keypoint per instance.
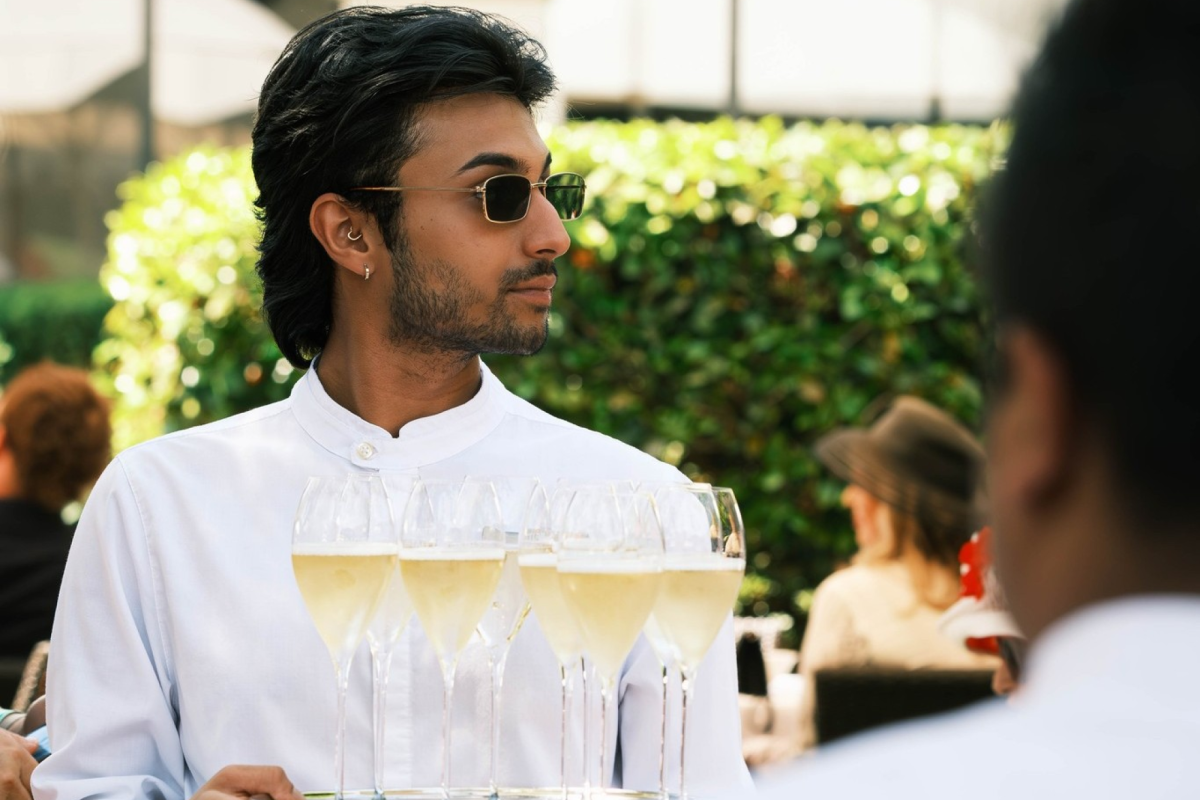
x,y
914,479
1094,439
54,443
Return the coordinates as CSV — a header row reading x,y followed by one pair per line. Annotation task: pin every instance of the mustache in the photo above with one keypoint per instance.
x,y
515,277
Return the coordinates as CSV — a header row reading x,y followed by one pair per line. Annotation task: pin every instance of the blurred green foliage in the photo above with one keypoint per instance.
x,y
59,321
739,289
186,341
735,290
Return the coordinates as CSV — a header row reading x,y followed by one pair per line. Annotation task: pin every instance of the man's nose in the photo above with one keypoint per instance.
x,y
547,236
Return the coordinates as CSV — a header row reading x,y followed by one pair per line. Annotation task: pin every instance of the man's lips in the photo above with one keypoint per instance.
x,y
536,289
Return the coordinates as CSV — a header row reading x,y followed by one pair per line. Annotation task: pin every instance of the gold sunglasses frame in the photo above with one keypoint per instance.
x,y
481,190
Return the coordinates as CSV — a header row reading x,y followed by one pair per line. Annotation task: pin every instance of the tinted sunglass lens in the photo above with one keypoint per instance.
x,y
565,192
506,198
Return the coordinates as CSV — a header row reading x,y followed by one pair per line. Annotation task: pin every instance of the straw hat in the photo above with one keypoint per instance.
x,y
915,458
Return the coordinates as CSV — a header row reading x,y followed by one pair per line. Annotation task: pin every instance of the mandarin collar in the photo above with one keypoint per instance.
x,y
422,441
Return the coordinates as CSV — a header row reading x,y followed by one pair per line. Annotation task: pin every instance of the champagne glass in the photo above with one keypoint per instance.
x,y
560,500
509,607
343,554
451,558
538,561
390,620
666,660
702,572
609,567
729,517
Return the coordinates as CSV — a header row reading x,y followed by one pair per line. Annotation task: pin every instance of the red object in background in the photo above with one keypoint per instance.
x,y
974,561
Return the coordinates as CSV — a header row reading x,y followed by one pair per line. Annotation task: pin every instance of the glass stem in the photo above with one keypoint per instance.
x,y
497,667
686,677
381,661
605,692
447,701
662,749
339,748
566,710
587,734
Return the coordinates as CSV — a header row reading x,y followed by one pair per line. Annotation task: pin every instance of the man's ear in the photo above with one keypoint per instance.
x,y
348,235
1040,426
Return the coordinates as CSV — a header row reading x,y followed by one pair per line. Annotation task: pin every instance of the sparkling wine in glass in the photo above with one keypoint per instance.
x,y
451,558
702,571
666,660
344,550
538,561
390,620
610,569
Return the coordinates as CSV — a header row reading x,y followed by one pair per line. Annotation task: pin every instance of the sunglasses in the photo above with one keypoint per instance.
x,y
506,197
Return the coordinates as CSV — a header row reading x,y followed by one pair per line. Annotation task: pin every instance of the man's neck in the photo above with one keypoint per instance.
x,y
390,388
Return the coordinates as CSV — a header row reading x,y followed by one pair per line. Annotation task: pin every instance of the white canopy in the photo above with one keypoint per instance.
x,y
209,57
876,59
857,58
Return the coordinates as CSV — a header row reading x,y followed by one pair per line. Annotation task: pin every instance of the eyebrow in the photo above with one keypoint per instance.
x,y
502,160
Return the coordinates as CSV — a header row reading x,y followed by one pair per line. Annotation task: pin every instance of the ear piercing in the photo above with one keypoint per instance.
x,y
366,268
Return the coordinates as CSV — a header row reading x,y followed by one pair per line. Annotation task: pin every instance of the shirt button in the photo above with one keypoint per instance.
x,y
365,450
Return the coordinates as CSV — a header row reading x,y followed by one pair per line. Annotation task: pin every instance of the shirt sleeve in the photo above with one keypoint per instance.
x,y
110,700
715,766
830,640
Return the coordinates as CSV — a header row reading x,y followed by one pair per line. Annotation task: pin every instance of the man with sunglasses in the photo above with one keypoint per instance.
x,y
411,222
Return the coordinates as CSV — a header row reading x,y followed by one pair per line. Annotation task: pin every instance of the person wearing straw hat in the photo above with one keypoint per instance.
x,y
913,497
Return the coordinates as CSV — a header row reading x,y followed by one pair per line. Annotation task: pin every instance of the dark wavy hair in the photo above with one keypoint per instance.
x,y
338,110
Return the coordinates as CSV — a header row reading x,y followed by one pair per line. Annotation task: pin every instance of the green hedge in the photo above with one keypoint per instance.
x,y
59,321
735,290
186,341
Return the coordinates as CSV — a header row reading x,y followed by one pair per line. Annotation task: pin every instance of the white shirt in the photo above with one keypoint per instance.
x,y
181,643
1111,709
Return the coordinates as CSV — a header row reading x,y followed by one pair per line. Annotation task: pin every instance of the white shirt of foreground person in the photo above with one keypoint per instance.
x,y
181,643
1110,709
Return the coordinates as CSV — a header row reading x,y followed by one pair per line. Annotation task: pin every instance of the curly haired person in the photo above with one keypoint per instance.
x,y
54,443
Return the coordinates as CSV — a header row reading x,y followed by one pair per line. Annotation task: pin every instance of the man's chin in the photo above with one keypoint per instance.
x,y
522,343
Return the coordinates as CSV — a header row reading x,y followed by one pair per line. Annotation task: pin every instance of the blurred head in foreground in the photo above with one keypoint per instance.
x,y
1094,437
54,436
913,486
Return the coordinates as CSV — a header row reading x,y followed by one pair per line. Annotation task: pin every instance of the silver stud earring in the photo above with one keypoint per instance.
x,y
366,270
352,237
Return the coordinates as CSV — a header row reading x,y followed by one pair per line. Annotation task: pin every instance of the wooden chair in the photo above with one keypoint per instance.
x,y
849,701
33,678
